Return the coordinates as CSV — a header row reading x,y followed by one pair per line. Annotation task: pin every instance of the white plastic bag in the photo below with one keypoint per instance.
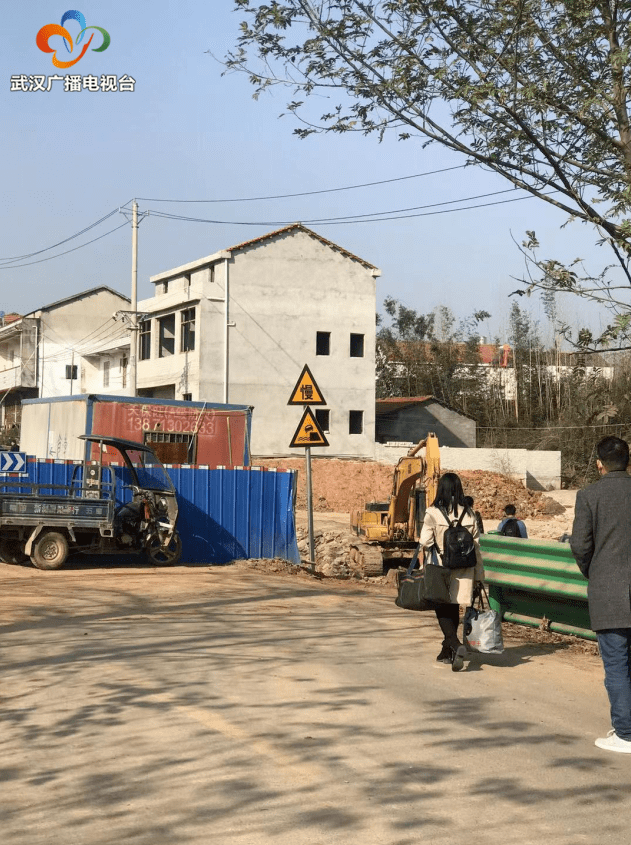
x,y
483,629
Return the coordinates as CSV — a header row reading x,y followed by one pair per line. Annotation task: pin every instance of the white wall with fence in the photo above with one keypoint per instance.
x,y
539,470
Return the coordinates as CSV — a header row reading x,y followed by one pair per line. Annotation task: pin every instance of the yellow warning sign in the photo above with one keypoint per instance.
x,y
309,432
306,391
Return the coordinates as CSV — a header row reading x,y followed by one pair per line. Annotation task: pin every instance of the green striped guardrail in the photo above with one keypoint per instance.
x,y
530,580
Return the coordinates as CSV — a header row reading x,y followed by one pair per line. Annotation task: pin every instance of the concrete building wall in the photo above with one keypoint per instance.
x,y
175,373
283,290
69,331
414,422
536,470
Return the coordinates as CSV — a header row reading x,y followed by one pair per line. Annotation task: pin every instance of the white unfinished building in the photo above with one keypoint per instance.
x,y
239,325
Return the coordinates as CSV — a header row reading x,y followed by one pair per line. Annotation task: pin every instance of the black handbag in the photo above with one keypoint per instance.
x,y
425,588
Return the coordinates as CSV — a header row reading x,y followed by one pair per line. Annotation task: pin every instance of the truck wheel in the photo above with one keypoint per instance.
x,y
50,550
168,556
12,551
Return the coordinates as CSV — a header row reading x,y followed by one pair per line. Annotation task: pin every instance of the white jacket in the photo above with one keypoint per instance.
x,y
433,532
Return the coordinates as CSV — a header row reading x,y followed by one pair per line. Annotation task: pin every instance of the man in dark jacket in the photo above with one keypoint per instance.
x,y
601,544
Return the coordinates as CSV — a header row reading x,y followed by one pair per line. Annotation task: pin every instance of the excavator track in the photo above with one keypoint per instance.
x,y
366,558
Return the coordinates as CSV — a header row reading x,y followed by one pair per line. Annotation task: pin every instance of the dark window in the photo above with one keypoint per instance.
x,y
323,343
106,373
187,340
71,371
165,287
187,397
145,340
357,346
173,448
166,338
355,422
323,416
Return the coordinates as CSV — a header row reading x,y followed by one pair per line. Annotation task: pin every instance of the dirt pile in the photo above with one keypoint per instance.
x,y
343,486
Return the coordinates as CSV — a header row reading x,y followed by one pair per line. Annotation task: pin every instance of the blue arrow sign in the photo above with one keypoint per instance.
x,y
13,462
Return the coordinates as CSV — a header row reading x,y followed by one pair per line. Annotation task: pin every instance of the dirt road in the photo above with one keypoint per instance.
x,y
194,705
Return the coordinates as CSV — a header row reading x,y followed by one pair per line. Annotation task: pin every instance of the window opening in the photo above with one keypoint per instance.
x,y
173,447
187,339
166,336
323,417
357,345
355,422
323,343
145,340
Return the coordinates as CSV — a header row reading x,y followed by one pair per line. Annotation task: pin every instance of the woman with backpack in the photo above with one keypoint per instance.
x,y
449,537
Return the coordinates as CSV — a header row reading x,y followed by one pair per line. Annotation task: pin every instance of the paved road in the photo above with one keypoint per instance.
x,y
196,706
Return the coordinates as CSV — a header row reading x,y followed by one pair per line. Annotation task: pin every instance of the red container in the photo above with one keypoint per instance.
x,y
180,432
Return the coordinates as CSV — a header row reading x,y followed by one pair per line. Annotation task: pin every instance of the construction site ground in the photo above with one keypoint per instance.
x,y
261,702
257,703
342,486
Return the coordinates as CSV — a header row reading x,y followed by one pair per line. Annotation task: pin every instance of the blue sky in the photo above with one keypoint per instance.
x,y
186,132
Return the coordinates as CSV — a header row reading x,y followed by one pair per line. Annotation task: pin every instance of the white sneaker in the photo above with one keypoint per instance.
x,y
612,742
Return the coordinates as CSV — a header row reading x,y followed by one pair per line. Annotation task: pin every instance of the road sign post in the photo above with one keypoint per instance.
x,y
13,462
308,434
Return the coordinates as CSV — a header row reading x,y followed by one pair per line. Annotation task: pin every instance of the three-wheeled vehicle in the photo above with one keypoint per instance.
x,y
121,499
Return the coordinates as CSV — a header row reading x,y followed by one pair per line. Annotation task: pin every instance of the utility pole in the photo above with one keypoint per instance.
x,y
226,333
133,345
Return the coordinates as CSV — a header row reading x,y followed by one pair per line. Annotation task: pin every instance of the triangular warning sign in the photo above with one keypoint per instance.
x,y
309,432
306,391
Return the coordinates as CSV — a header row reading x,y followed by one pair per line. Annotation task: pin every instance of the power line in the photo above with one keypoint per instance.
x,y
312,193
342,221
552,428
65,240
59,254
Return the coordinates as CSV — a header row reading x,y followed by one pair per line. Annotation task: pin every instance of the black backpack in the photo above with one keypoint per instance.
x,y
458,545
511,528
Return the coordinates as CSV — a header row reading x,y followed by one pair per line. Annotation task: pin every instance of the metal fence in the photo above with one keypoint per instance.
x,y
224,514
535,582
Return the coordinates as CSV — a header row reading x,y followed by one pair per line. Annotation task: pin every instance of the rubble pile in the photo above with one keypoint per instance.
x,y
491,491
343,486
332,553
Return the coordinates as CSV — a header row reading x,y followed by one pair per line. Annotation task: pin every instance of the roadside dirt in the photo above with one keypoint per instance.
x,y
513,634
342,486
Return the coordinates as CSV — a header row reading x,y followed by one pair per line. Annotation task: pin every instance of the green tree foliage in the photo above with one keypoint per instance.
x,y
427,354
535,90
542,399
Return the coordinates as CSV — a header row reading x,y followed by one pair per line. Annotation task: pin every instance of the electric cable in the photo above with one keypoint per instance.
x,y
312,193
59,243
59,254
344,220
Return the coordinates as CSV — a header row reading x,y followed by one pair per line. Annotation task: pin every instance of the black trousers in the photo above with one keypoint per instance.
x,y
448,616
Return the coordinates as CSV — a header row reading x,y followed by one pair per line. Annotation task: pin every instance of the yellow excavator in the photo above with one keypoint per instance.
x,y
389,531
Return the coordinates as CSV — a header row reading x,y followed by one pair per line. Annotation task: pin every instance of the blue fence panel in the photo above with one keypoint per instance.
x,y
234,514
224,514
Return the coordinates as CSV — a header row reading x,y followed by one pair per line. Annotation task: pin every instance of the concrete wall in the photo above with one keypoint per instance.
x,y
84,325
412,423
536,470
282,292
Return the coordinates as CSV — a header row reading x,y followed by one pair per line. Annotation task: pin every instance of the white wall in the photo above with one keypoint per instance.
x,y
282,292
536,470
82,326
